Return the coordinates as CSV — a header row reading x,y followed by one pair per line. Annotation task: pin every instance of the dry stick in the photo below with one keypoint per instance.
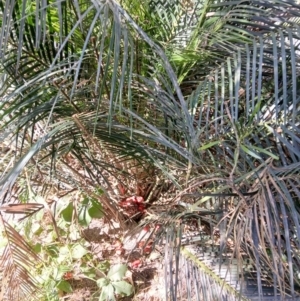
x,y
189,170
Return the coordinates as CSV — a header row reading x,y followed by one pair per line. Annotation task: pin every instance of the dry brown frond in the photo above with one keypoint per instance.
x,y
17,259
24,209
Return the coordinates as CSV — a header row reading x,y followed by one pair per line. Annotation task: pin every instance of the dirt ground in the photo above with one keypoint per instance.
x,y
145,271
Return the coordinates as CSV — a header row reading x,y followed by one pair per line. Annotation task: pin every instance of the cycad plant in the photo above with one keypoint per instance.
x,y
206,93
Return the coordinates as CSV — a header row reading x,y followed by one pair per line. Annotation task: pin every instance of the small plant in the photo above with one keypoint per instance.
x,y
112,283
65,254
87,209
61,258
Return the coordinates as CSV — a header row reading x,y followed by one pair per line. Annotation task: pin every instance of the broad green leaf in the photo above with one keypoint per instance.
x,y
84,216
62,269
249,152
36,229
37,248
40,215
85,201
52,250
78,251
104,266
58,271
55,273
102,282
94,212
67,213
90,272
64,253
123,288
64,250
64,225
65,286
62,204
49,239
96,203
91,208
107,293
117,272
208,145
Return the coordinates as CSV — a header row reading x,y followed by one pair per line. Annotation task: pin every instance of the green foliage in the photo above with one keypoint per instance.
x,y
59,259
113,283
88,208
65,255
205,91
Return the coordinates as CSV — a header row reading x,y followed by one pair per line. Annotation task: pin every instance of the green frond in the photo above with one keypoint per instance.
x,y
207,91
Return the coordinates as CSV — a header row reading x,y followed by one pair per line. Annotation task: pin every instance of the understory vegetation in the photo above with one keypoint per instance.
x,y
171,127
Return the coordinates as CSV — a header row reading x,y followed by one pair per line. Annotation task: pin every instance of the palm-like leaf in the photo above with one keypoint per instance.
x,y
210,86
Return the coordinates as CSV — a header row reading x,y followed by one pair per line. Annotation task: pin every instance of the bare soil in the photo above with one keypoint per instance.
x,y
145,271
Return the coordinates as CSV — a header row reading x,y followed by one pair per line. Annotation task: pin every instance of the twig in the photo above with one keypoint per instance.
x,y
56,84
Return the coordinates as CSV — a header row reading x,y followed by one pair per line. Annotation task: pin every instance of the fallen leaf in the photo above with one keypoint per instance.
x,y
122,189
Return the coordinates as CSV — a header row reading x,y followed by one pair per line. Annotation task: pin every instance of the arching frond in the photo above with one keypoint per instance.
x,y
211,87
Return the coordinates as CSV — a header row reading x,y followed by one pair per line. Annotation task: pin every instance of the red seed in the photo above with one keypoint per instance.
x,y
136,264
139,199
146,228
